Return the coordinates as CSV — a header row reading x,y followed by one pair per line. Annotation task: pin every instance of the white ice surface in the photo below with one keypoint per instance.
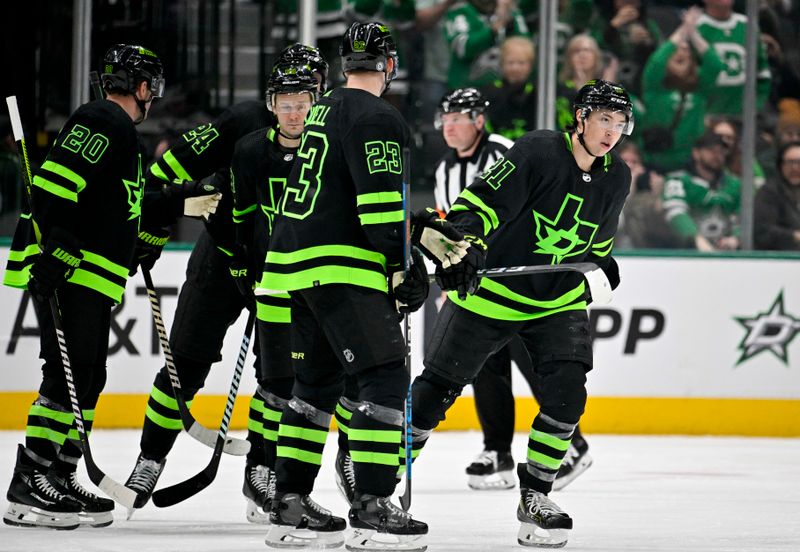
x,y
642,494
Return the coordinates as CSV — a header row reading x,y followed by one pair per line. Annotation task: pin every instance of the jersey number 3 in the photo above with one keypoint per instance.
x,y
299,198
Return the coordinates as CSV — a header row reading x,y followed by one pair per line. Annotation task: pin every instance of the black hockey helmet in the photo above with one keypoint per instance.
x,y
299,54
368,46
290,78
461,100
600,94
126,65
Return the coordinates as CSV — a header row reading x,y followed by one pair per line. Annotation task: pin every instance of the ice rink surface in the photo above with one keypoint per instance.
x,y
684,494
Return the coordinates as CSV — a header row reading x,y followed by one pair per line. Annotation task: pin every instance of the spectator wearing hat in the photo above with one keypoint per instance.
x,y
776,211
701,202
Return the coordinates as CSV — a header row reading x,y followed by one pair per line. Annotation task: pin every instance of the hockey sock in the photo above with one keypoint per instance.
x,y
71,452
162,422
270,421
375,435
344,413
47,429
547,445
301,440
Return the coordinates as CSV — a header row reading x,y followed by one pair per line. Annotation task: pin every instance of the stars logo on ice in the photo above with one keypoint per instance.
x,y
770,331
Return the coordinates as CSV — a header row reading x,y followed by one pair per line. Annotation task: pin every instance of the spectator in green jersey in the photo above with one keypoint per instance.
x,y
725,31
701,203
512,99
677,80
473,30
583,61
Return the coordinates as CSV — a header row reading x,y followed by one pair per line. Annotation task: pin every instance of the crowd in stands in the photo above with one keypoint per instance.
x,y
682,62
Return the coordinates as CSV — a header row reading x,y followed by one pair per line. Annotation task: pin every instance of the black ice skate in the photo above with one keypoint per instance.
x,y
35,502
380,525
299,522
345,476
95,511
544,524
143,480
491,470
258,489
575,463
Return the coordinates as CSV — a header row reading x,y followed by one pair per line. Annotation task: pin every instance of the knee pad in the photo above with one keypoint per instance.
x,y
563,390
432,396
386,384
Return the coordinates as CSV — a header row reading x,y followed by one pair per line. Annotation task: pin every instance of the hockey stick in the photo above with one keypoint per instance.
x,y
232,445
190,487
97,87
405,498
119,492
595,278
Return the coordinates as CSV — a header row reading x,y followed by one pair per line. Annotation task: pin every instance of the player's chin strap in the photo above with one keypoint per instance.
x,y
142,105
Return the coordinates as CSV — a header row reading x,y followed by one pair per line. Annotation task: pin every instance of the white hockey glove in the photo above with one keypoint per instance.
x,y
439,240
201,206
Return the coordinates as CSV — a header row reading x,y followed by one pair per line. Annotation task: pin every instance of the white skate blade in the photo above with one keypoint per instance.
x,y
287,536
492,482
582,465
533,535
131,511
373,541
96,519
22,515
256,514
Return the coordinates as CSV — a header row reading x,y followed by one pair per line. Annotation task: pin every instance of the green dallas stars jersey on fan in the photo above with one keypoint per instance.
x,y
728,40
90,186
341,218
535,206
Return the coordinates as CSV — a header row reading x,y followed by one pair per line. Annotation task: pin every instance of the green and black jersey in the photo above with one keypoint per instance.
x,y
90,186
341,218
535,206
207,151
259,171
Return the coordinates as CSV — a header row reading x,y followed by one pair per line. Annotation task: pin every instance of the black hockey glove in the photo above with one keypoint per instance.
x,y
240,273
149,246
463,277
439,240
409,293
61,256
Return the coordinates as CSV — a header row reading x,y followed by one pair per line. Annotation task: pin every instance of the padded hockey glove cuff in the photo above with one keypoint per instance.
x,y
410,292
438,239
463,277
61,256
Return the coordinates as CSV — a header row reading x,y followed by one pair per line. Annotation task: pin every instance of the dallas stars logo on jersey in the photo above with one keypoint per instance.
x,y
771,331
135,191
567,234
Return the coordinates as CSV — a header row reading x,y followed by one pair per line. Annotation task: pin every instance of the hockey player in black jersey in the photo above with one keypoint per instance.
x,y
553,198
461,117
86,204
209,301
337,247
261,164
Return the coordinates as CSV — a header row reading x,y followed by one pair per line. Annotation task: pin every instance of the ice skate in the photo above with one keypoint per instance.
x,y
380,525
35,502
544,524
491,470
143,480
345,476
299,522
95,511
258,489
575,463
